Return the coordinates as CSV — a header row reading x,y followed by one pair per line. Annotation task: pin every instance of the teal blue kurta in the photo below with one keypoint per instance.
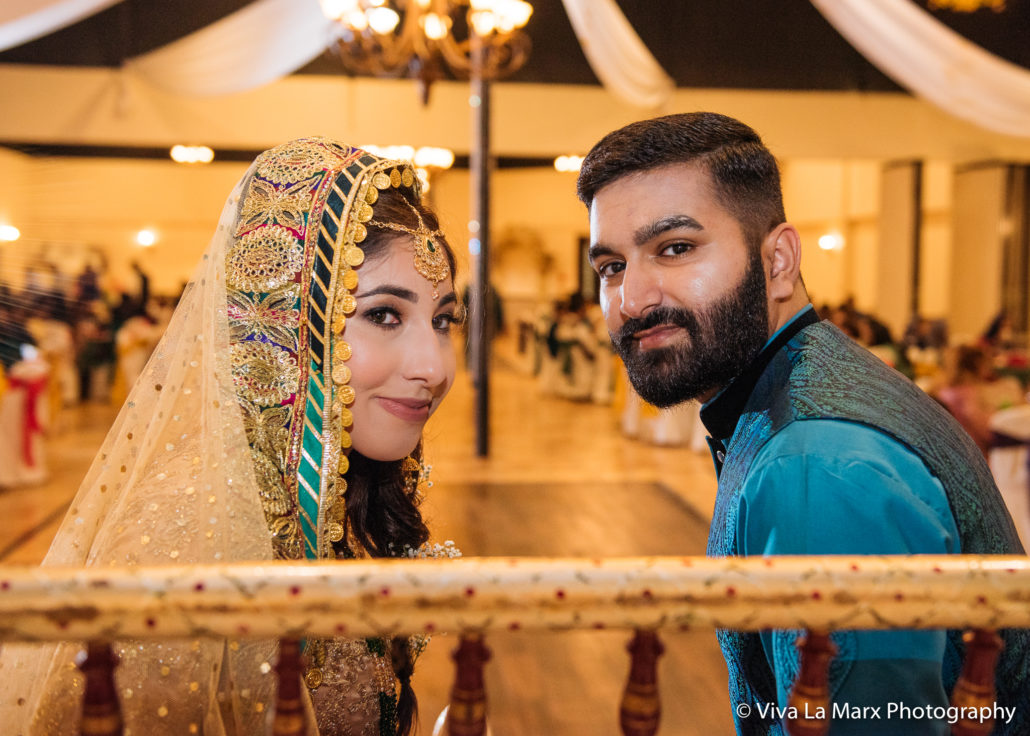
x,y
823,450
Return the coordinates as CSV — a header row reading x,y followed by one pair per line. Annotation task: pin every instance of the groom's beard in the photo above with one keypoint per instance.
x,y
720,341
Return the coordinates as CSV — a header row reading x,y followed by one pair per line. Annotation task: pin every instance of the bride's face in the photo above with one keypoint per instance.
x,y
403,361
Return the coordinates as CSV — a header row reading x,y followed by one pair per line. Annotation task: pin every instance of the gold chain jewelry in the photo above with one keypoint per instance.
x,y
430,259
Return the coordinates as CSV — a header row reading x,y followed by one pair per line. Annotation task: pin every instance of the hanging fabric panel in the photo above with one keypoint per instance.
x,y
618,57
925,56
22,21
252,47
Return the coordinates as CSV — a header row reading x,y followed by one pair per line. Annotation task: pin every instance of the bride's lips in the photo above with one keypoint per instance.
x,y
657,336
410,410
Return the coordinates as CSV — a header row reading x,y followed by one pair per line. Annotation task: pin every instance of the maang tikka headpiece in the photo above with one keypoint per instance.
x,y
430,259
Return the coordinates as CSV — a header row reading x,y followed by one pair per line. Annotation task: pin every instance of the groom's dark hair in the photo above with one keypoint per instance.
x,y
743,172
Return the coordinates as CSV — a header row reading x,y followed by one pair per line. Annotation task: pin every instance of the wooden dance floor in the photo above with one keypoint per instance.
x,y
569,684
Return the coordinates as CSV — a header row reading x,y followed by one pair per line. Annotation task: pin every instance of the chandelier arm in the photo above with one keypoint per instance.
x,y
503,55
402,44
457,54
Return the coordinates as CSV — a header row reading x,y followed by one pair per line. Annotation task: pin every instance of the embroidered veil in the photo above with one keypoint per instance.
x,y
228,448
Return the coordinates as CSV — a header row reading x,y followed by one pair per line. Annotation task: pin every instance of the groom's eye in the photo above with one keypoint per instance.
x,y
677,249
607,270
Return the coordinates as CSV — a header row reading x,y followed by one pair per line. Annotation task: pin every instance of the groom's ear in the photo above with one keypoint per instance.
x,y
781,257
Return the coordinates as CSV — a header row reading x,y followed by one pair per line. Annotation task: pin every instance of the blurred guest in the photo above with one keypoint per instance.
x,y
577,348
87,285
96,352
550,366
56,343
925,334
998,333
970,394
134,342
143,297
12,334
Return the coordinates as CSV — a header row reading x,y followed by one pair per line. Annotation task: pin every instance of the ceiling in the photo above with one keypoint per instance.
x,y
740,44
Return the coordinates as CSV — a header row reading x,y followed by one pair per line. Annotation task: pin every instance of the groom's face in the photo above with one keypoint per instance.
x,y
683,292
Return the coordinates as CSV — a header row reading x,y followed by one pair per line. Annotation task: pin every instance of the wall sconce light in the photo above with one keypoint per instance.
x,y
831,241
569,164
146,237
192,154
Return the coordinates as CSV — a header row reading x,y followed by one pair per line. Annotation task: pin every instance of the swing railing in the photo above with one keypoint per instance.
x,y
473,597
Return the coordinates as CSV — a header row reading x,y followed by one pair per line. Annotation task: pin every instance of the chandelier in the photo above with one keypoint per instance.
x,y
418,38
967,6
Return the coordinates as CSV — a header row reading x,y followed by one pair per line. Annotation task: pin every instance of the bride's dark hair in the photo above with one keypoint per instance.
x,y
382,516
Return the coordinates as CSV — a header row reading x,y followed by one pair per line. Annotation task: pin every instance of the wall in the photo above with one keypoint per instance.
x,y
978,230
834,196
69,209
110,106
936,243
899,218
74,210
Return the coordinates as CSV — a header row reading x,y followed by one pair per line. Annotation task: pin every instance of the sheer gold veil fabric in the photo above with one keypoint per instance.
x,y
227,449
172,484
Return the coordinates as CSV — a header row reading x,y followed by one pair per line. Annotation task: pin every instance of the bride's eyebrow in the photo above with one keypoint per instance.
x,y
448,299
397,291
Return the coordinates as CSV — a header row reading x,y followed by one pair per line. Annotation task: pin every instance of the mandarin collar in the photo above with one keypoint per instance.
x,y
721,413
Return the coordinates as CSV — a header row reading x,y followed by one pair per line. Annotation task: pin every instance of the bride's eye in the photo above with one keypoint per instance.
x,y
383,316
444,322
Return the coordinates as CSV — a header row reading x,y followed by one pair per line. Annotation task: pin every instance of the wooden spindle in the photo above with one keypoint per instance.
x,y
101,713
467,713
641,707
289,709
810,696
975,686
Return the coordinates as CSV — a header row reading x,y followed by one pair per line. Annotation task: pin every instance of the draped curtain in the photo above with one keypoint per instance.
x,y
22,21
932,61
269,39
252,47
618,57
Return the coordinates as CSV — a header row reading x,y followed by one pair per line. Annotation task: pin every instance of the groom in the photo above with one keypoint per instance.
x,y
818,446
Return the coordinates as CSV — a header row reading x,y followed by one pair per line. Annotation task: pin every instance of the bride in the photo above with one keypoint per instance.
x,y
279,418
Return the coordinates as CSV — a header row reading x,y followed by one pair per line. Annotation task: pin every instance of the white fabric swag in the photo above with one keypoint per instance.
x,y
272,38
22,21
925,56
618,57
252,47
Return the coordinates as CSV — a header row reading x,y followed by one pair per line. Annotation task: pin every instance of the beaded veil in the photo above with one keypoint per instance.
x,y
229,449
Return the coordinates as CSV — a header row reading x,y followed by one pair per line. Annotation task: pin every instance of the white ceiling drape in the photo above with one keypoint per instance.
x,y
22,21
618,57
272,38
269,39
252,47
925,56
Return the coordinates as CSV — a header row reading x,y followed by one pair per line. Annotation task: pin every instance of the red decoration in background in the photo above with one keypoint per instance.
x,y
30,422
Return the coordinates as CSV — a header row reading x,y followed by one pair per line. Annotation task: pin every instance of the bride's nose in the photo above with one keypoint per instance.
x,y
426,357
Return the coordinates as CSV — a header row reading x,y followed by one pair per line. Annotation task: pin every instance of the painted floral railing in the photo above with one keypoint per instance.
x,y
476,596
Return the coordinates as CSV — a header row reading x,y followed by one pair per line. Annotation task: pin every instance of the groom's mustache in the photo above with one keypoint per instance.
x,y
662,315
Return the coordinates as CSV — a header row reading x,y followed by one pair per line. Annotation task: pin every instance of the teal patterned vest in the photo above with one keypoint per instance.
x,y
822,374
